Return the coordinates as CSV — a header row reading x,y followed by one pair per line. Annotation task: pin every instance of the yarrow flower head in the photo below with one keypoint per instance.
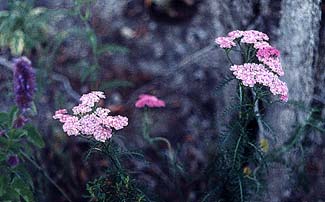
x,y
149,101
225,42
90,120
24,82
249,37
263,67
251,74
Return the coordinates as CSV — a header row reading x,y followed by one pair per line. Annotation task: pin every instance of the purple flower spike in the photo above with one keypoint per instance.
x,y
13,160
24,82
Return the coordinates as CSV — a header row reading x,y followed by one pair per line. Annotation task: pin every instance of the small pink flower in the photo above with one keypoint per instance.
x,y
71,125
270,57
274,64
61,111
89,124
249,37
61,114
266,52
149,101
81,109
116,122
261,44
225,42
102,134
102,112
91,98
235,34
284,98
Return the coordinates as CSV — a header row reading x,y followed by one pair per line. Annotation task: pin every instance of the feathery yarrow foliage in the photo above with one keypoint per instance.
x,y
90,120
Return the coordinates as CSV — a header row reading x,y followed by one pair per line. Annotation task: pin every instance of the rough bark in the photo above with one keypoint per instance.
x,y
298,43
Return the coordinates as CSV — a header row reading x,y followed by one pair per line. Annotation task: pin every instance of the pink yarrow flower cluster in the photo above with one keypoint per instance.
x,y
89,120
251,74
266,54
249,37
269,68
149,101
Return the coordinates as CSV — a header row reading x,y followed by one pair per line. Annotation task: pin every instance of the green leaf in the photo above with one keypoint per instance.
x,y
23,189
3,142
3,118
24,175
4,14
34,136
18,133
112,48
13,115
92,39
3,184
37,11
33,109
17,43
3,156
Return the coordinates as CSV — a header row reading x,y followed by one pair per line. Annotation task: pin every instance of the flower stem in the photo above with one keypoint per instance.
x,y
170,151
240,100
112,156
146,126
228,57
46,176
146,134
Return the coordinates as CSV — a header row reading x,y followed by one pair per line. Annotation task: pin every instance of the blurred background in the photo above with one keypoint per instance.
x,y
165,48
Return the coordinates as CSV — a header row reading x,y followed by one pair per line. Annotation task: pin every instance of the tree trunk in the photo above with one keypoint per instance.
x,y
298,43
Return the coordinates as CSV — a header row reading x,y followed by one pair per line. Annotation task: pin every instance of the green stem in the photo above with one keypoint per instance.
x,y
298,134
111,156
289,146
228,57
170,151
146,126
240,100
241,190
46,176
146,134
236,149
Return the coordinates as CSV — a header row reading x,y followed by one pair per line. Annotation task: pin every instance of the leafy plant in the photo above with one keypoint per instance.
x,y
90,68
116,185
237,167
17,143
96,124
22,27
